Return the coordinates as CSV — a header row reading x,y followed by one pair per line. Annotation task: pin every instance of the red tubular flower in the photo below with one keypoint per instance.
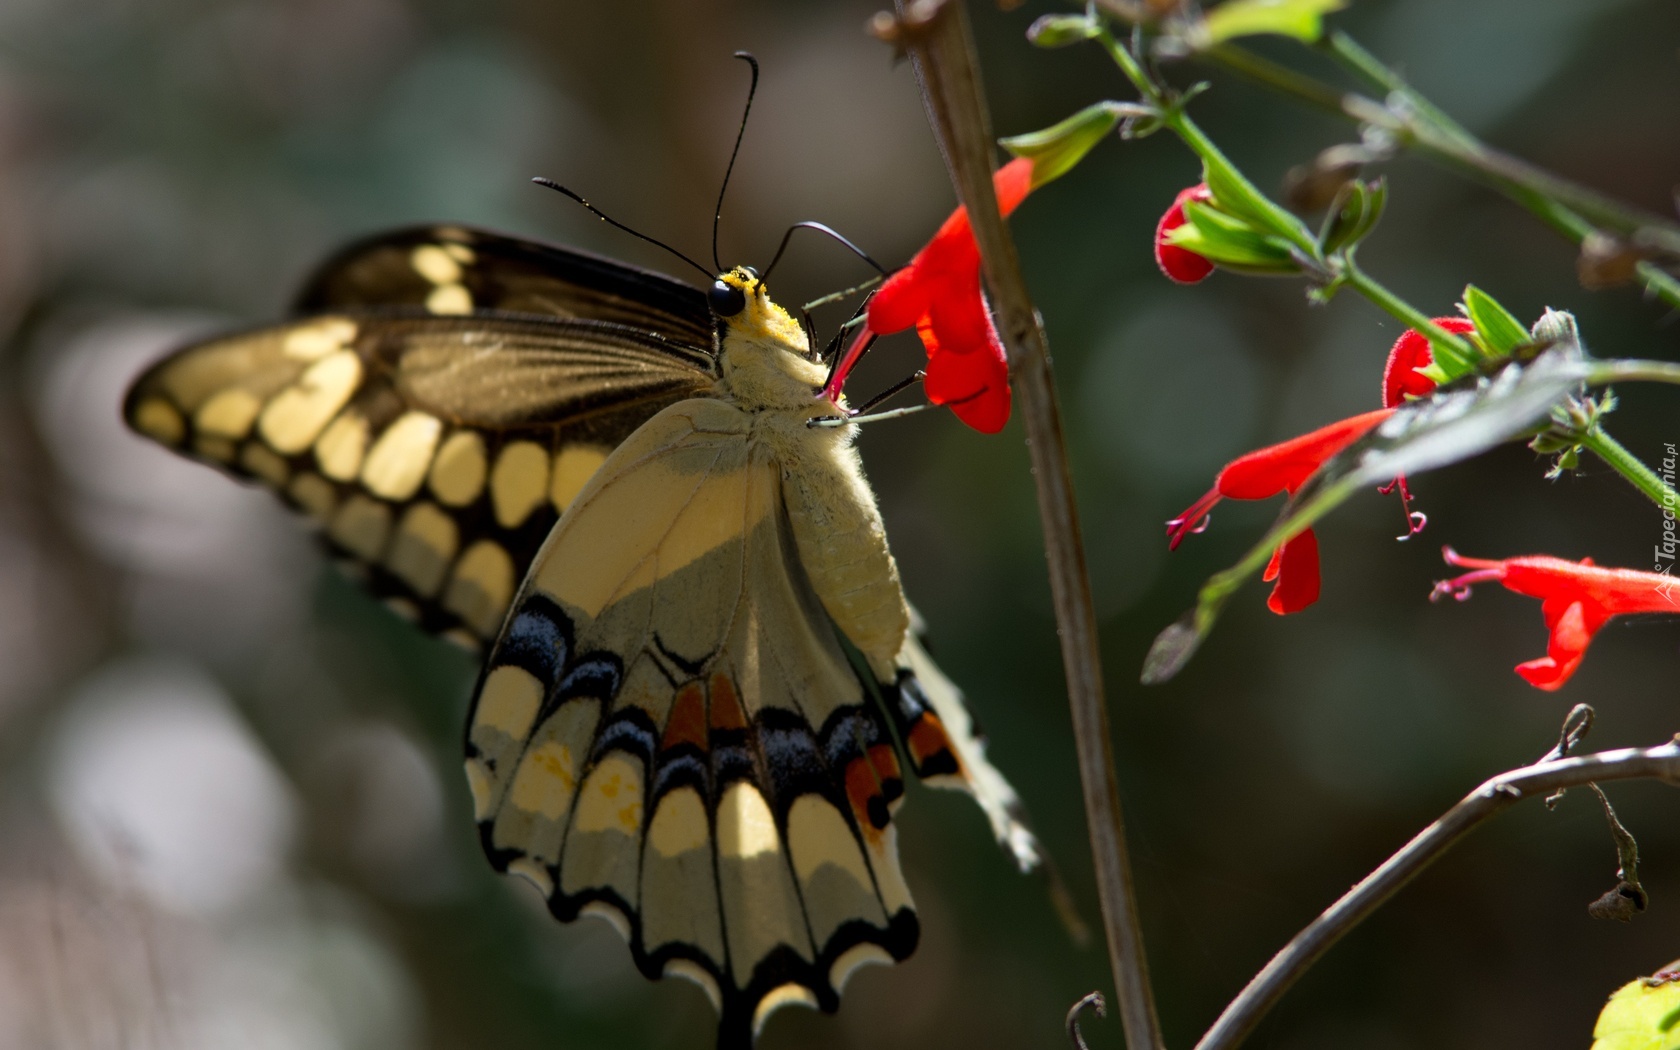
x,y
1181,264
1411,352
939,294
1577,598
1266,472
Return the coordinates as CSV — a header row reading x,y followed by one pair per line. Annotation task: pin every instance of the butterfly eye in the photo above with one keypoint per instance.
x,y
726,300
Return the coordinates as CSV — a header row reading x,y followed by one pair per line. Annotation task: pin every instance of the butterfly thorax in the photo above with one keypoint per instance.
x,y
768,373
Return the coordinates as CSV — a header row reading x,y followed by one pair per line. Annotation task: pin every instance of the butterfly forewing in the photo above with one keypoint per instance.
x,y
454,270
434,452
669,733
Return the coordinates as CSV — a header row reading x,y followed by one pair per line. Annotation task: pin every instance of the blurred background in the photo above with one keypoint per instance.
x,y
231,813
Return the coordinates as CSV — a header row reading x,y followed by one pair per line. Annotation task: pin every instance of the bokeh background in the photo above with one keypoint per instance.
x,y
230,808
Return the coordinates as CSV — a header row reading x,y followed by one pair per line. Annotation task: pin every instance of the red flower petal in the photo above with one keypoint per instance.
x,y
975,386
1181,264
1297,575
1283,467
899,303
1410,352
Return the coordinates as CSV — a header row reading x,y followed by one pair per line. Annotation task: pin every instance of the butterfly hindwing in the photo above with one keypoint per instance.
x,y
434,452
669,733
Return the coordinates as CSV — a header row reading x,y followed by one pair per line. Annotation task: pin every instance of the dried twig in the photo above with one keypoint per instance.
x,y
943,51
1496,795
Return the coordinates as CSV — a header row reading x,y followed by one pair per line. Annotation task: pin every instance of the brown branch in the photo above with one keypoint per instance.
x,y
1493,797
938,39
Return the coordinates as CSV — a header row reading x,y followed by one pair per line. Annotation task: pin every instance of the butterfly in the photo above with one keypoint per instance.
x,y
702,678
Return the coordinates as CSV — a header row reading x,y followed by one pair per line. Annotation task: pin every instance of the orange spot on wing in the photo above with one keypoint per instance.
x,y
927,742
863,791
687,722
726,706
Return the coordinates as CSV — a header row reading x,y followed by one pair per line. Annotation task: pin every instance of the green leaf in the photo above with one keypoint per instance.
x,y
1057,148
1229,241
1641,1015
1423,435
1499,331
1301,19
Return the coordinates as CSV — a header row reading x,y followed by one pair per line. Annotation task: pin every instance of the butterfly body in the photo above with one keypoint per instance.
x,y
700,674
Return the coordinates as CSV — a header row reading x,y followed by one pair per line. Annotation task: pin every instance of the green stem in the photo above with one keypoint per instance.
x,y
1630,467
1633,370
1452,352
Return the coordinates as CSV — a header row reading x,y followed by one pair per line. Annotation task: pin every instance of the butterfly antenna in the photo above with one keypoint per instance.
x,y
610,221
717,213
820,228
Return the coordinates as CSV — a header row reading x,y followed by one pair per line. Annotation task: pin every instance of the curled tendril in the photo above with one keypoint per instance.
x,y
1096,1002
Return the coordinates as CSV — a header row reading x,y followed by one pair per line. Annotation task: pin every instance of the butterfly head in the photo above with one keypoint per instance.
x,y
765,356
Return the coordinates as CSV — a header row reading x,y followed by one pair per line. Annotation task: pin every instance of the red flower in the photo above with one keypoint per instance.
x,y
1577,598
1181,264
939,294
1411,352
1265,473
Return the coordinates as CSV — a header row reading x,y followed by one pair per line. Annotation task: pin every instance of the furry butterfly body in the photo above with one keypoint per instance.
x,y
701,675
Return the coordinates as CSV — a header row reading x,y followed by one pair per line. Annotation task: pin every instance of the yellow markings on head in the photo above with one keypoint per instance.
x,y
263,463
689,970
545,781
818,836
314,494
478,784
160,421
573,468
612,797
297,414
519,482
745,827
450,299
534,873
481,587
763,318
435,264
423,547
509,701
789,994
457,475
398,461
679,823
229,413
853,959
317,339
361,526
341,446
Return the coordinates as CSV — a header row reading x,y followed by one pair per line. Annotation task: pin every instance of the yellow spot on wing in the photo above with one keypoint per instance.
x,y
679,823
423,547
783,995
544,783
519,482
611,798
314,494
509,701
228,414
478,783
534,873
460,253
853,959
361,526
262,462
457,475
341,446
435,264
573,467
481,588
690,970
745,827
297,414
313,341
397,463
160,421
449,299
818,836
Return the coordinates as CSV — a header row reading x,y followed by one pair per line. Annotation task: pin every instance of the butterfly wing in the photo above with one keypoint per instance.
x,y
453,270
435,452
668,733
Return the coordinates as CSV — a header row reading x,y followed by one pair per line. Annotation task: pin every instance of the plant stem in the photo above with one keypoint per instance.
x,y
1634,370
1496,795
1454,353
1630,467
948,70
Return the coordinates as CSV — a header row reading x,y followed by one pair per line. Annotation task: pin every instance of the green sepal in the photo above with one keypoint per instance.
x,y
1051,31
1057,148
1498,332
1353,214
1229,241
1237,196
1301,19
